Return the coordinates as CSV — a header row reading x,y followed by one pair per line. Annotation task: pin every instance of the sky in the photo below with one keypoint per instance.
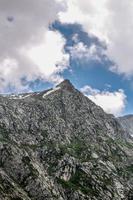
x,y
89,42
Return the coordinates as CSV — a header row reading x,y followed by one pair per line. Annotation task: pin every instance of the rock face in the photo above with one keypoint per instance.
x,y
127,123
58,145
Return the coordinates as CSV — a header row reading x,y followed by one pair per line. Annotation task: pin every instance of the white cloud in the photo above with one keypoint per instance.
x,y
111,102
49,56
84,53
91,14
109,20
24,35
28,49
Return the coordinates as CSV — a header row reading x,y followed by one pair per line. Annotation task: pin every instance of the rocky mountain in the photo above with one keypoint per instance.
x,y
127,123
58,145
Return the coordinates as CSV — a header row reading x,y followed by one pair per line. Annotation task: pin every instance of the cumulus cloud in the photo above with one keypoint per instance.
x,y
109,20
28,48
84,53
48,57
111,102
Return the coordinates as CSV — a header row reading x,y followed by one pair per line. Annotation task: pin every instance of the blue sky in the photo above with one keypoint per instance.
x,y
90,72
84,41
93,73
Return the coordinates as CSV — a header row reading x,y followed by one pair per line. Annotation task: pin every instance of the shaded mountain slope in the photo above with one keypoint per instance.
x,y
127,123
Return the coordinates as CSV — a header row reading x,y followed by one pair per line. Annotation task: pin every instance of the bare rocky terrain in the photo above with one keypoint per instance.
x,y
58,145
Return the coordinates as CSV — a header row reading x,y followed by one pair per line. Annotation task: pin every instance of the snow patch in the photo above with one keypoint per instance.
x,y
51,91
20,96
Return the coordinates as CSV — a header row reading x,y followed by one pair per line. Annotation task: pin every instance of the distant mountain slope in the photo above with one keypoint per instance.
x,y
127,123
59,145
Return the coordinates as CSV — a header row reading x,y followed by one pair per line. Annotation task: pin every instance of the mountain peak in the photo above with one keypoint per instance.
x,y
66,84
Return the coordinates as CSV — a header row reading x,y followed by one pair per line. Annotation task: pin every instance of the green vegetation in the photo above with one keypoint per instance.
x,y
75,148
27,162
125,143
79,181
31,146
4,135
129,169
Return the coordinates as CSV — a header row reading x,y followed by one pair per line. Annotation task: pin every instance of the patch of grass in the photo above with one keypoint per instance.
x,y
31,146
4,134
79,181
130,168
26,160
76,148
66,184
124,143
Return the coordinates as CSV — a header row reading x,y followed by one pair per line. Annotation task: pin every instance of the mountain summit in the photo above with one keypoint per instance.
x,y
66,84
58,145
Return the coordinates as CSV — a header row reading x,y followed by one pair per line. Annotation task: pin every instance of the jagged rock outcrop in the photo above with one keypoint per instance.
x,y
57,144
